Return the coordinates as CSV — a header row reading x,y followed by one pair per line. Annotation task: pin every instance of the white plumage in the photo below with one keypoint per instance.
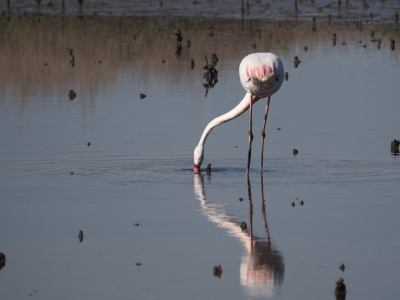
x,y
261,75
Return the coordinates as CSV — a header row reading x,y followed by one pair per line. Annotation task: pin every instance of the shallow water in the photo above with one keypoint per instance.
x,y
339,108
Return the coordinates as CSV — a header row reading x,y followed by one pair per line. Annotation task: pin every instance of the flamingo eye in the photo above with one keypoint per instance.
x,y
249,80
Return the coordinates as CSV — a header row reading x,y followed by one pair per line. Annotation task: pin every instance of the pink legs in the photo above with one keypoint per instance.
x,y
263,133
250,134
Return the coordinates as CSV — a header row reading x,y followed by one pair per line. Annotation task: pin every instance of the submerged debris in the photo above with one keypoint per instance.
x,y
340,290
72,95
217,271
394,147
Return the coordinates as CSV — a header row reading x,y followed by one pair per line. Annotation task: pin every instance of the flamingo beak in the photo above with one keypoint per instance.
x,y
196,168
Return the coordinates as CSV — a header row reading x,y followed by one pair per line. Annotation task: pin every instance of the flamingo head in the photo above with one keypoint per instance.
x,y
198,158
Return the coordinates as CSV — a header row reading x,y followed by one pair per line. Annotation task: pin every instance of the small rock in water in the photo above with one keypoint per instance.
x,y
142,96
240,199
295,151
72,173
137,224
209,169
45,64
293,204
138,264
278,128
188,44
72,95
301,202
88,144
243,226
340,290
163,61
305,48
217,271
286,76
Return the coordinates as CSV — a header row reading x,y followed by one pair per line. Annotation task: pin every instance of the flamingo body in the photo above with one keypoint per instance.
x,y
261,75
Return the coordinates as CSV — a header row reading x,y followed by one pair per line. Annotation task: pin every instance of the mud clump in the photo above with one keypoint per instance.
x,y
80,236
2,260
72,95
340,290
210,73
392,42
192,64
296,61
394,147
178,34
243,226
217,271
342,267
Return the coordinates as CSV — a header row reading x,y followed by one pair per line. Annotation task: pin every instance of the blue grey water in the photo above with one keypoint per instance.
x,y
339,108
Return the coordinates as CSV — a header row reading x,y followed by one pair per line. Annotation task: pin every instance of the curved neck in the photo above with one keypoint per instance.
x,y
234,113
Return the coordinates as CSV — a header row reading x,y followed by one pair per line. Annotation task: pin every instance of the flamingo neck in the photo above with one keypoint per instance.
x,y
230,115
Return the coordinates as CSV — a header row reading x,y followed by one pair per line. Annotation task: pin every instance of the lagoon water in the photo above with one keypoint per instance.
x,y
151,228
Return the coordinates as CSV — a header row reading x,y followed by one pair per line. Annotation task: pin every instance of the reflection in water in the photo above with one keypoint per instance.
x,y
262,267
103,48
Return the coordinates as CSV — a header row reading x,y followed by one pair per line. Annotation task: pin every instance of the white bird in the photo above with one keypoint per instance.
x,y
261,75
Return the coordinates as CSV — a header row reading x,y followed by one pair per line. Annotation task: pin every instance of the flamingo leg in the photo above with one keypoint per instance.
x,y
250,133
263,133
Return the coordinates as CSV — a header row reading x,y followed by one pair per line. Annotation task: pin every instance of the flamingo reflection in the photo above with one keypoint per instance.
x,y
262,267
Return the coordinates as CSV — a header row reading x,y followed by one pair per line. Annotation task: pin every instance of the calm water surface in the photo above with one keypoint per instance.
x,y
339,108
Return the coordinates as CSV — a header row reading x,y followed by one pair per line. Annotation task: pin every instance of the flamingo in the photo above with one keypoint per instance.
x,y
261,75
